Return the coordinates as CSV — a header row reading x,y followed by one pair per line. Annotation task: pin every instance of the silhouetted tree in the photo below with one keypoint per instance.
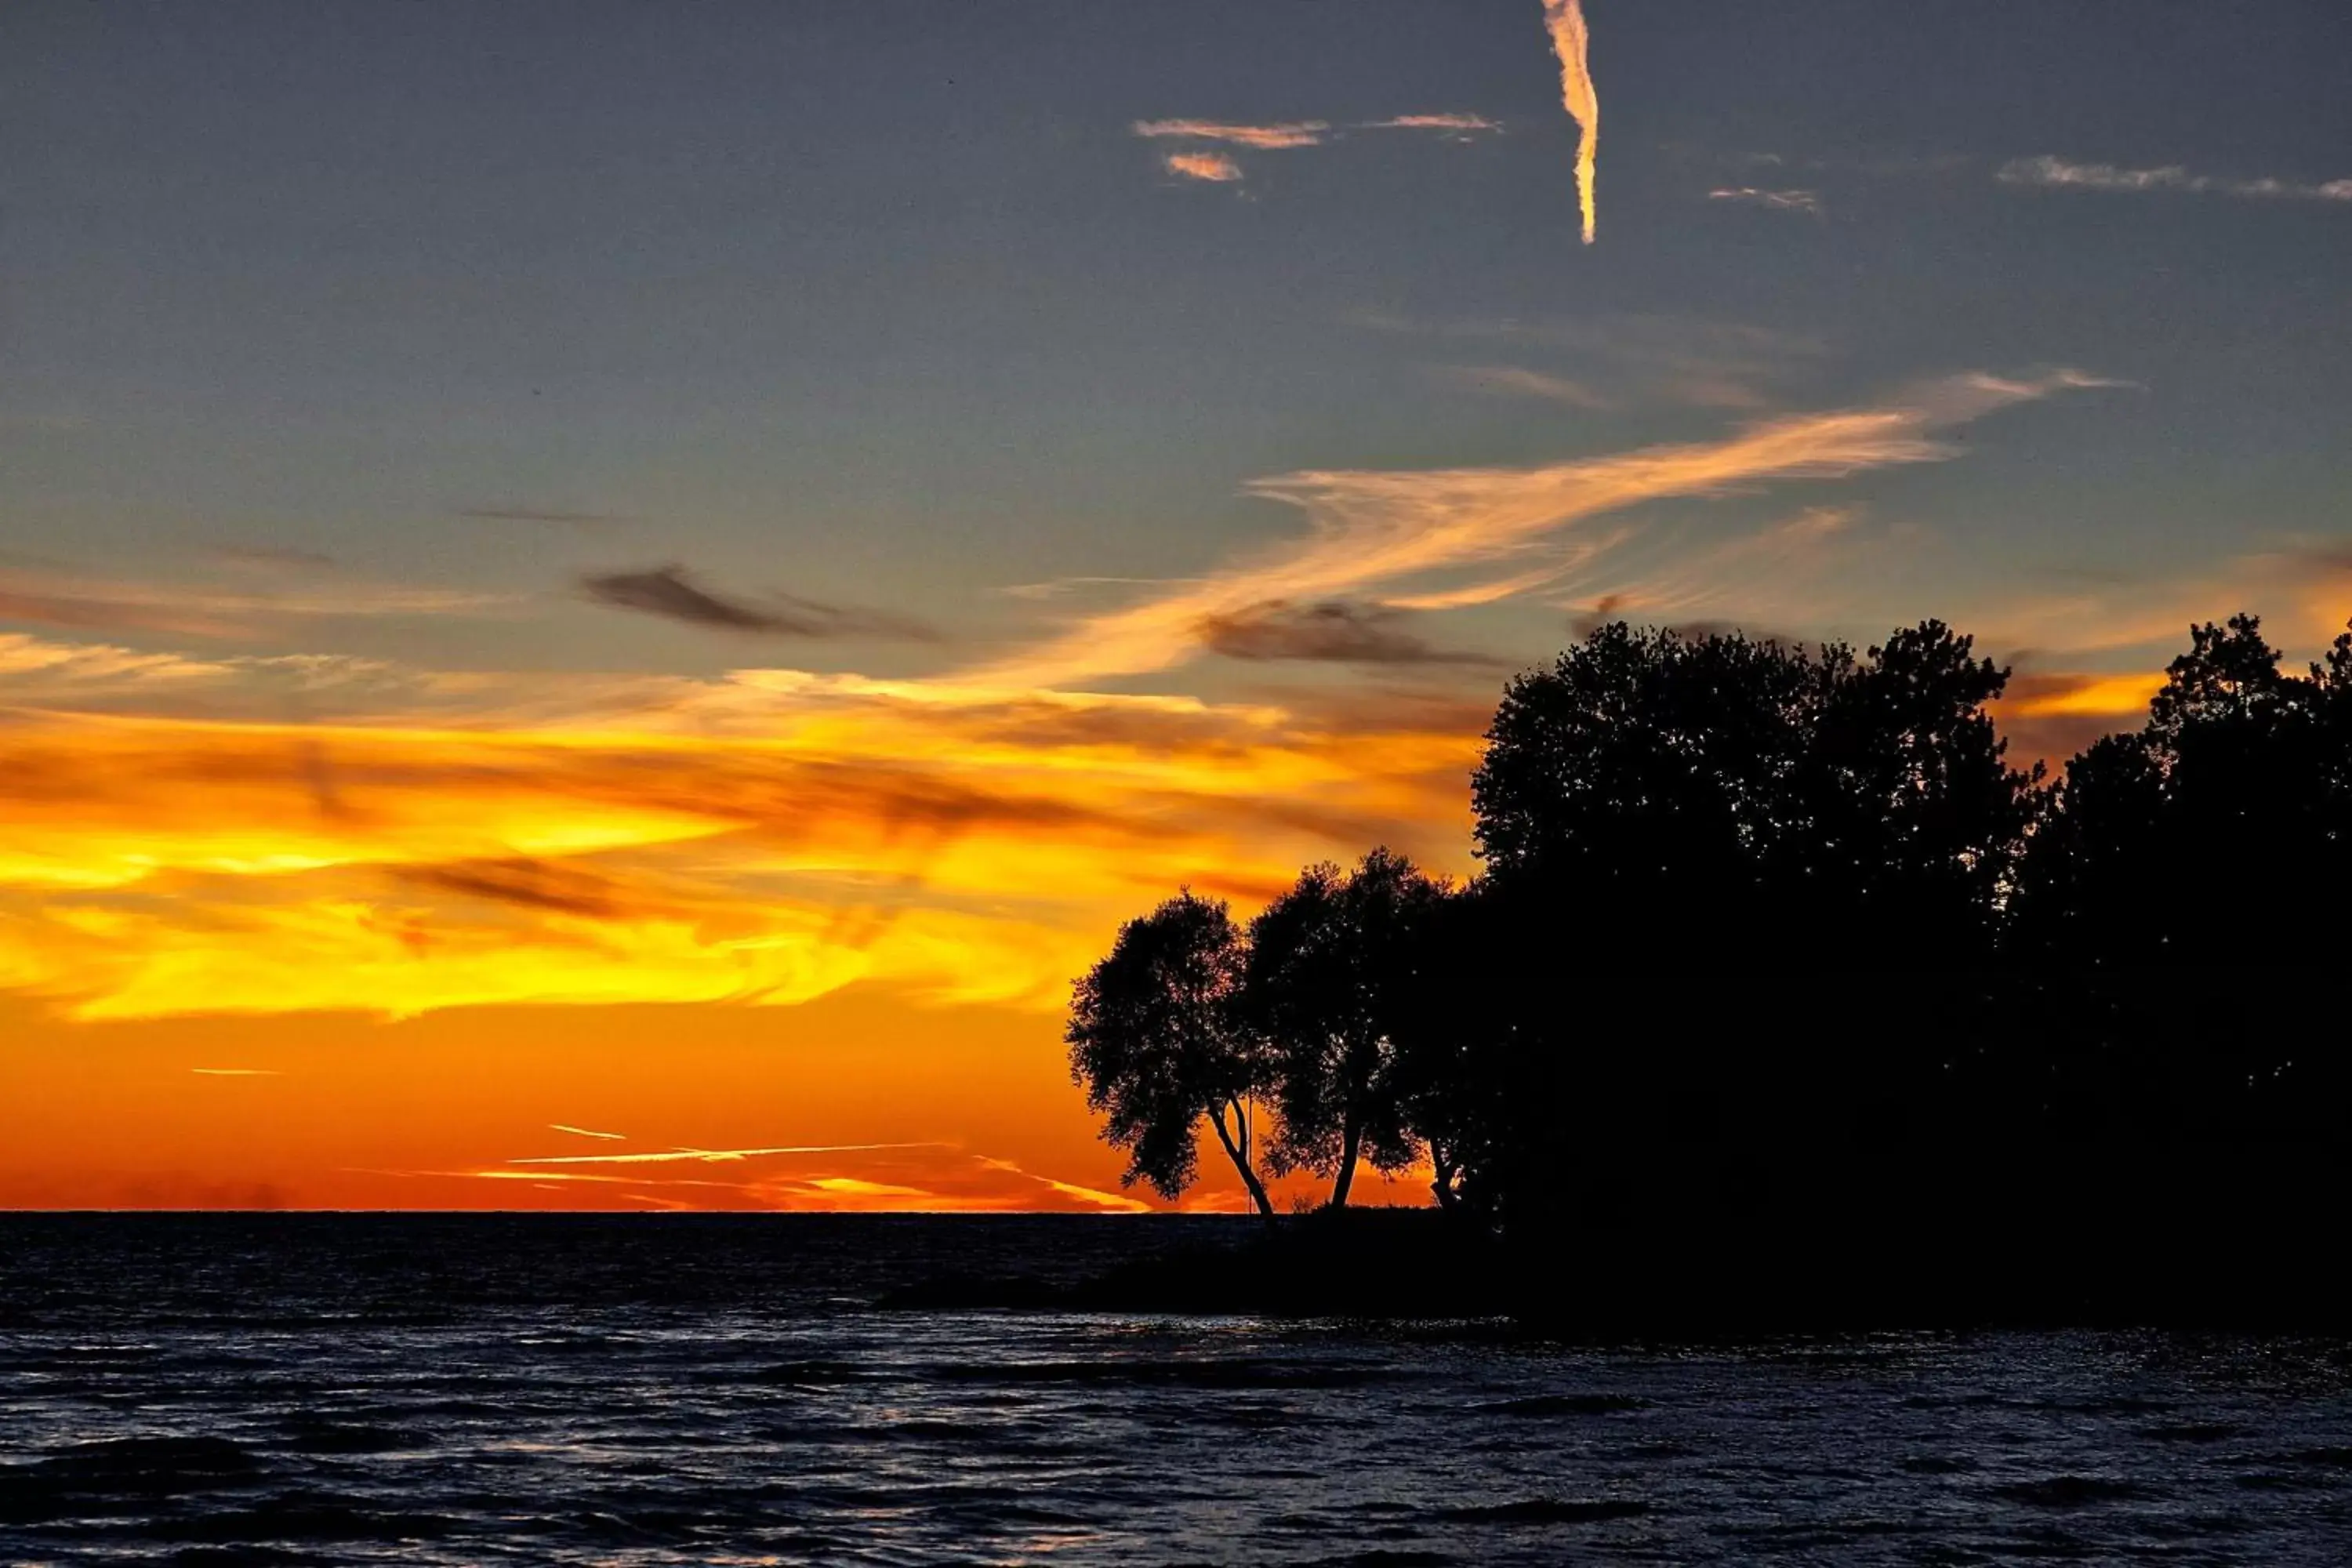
x,y
1653,775
1740,886
1155,1036
2094,884
1912,822
2168,898
1645,770
1772,943
1330,964
1452,1044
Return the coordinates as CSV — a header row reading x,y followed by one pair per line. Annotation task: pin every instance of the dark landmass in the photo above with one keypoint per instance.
x,y
1423,1265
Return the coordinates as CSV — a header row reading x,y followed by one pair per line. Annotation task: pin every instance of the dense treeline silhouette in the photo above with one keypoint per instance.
x,y
1775,962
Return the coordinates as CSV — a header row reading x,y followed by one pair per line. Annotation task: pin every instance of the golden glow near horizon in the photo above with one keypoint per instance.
x,y
966,852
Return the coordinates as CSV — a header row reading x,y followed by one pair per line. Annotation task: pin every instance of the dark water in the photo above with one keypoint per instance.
x,y
665,1389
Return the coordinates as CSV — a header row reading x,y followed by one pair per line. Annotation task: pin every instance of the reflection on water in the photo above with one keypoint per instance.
x,y
452,1390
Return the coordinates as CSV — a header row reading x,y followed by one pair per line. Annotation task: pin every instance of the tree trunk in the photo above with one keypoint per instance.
x,y
1234,1152
1442,1180
1351,1144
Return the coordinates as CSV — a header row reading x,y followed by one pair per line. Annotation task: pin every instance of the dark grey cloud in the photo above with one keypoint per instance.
x,y
1336,631
669,592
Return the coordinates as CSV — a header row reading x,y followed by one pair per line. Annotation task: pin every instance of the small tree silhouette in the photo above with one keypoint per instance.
x,y
1330,965
1155,1037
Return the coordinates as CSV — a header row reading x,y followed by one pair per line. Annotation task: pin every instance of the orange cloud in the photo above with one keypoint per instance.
x,y
2076,695
1293,134
1463,126
1213,167
956,844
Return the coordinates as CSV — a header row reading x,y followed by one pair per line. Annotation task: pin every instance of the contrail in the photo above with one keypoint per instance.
x,y
709,1156
1570,41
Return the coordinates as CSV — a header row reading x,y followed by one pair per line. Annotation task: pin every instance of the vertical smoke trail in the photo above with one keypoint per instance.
x,y
1565,20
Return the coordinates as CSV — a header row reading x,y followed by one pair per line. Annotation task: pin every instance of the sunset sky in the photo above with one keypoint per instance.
x,y
601,605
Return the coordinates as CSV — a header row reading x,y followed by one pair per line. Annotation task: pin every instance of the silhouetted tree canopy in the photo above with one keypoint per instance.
x,y
1654,776
1156,1036
1770,936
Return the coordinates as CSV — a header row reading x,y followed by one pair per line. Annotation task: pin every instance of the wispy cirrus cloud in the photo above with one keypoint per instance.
x,y
2050,172
1261,138
1495,590
1688,360
56,599
1094,1197
1214,168
1369,527
922,1177
670,593
713,1156
1206,162
49,671
1055,587
272,557
1754,578
588,520
1462,126
83,666
1791,201
1516,381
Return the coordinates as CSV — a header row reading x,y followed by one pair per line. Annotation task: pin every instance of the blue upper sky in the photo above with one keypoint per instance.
x,y
887,305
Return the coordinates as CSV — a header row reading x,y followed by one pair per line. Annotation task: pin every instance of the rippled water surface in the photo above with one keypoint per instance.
x,y
652,1390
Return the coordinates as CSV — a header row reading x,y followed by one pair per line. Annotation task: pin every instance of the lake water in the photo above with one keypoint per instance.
x,y
295,1389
